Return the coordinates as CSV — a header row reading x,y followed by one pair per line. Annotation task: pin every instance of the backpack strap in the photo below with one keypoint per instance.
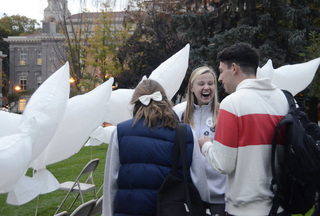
x,y
176,152
286,119
290,98
181,140
183,153
275,180
275,205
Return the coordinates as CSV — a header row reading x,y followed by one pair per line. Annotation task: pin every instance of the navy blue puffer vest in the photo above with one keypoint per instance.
x,y
145,161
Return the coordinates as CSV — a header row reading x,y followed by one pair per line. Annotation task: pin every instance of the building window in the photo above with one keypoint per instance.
x,y
23,83
39,80
22,104
23,57
39,57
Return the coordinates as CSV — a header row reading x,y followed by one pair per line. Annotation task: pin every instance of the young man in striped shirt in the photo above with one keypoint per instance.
x,y
242,144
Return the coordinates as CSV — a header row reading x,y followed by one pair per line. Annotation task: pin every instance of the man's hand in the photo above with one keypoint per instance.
x,y
202,141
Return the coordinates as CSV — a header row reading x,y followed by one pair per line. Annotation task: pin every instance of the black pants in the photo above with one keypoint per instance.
x,y
279,214
216,209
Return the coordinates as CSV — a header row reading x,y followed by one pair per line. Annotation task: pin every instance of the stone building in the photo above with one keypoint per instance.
x,y
33,58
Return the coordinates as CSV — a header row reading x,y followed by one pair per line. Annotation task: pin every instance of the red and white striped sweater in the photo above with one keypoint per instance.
x,y
242,145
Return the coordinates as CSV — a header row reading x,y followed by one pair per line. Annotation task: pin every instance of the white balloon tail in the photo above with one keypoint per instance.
x,y
100,135
93,142
25,190
49,182
29,188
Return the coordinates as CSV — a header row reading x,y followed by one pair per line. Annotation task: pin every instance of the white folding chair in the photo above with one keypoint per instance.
x,y
84,209
97,209
79,187
64,213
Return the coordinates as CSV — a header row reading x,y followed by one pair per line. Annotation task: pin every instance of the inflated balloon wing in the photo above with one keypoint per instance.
x,y
9,123
84,114
294,78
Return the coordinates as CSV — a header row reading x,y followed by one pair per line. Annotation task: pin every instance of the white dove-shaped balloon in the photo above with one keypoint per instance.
x,y
36,127
82,114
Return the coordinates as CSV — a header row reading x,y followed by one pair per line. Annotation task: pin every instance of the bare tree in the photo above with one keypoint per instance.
x,y
76,30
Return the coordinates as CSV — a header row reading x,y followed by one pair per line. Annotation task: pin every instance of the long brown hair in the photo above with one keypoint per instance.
x,y
187,116
156,111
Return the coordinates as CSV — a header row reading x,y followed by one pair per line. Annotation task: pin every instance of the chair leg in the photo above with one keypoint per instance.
x,y
75,199
100,188
65,198
95,194
81,196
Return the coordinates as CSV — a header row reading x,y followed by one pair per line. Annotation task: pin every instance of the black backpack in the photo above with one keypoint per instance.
x,y
296,166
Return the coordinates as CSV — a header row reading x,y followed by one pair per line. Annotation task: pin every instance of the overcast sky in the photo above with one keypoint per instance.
x,y
34,8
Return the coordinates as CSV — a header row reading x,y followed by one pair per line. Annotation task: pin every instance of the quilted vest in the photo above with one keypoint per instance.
x,y
145,161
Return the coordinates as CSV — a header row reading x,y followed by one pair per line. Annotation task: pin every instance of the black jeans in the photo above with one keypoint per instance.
x,y
279,214
216,209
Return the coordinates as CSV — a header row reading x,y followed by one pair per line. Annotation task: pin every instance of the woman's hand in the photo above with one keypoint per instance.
x,y
202,141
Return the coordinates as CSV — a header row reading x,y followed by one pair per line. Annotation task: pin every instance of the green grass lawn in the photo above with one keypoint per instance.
x,y
66,170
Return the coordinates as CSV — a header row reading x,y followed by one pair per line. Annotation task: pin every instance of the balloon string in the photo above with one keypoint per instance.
x,y
3,208
91,153
37,206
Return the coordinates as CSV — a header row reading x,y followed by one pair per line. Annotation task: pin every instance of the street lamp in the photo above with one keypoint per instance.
x,y
17,89
72,87
71,80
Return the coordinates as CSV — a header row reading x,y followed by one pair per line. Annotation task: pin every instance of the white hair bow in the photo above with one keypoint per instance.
x,y
145,99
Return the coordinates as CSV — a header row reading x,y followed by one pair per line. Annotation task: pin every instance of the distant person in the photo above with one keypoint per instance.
x,y
201,112
242,143
4,108
140,154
